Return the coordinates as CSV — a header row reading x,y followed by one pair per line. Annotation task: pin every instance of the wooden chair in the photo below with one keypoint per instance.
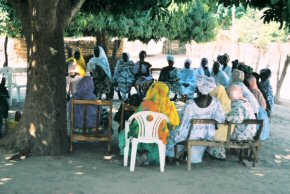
x,y
126,108
91,137
252,145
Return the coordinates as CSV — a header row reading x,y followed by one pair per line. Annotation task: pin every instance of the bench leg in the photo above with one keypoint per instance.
x,y
241,155
175,151
188,157
254,150
18,94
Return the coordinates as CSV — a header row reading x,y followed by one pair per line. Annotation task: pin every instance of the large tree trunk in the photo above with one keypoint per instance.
x,y
43,125
42,129
5,52
281,80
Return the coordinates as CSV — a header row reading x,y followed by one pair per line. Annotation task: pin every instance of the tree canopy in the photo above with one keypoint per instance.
x,y
9,23
184,22
274,10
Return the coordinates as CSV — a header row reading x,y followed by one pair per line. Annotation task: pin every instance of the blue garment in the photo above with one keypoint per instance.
x,y
220,78
85,89
266,124
188,76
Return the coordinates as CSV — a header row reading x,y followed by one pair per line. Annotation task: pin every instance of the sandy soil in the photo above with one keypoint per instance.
x,y
86,171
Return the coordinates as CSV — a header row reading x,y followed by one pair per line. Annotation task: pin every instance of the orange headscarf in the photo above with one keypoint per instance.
x,y
157,100
159,93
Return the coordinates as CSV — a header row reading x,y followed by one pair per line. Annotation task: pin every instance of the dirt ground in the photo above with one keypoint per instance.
x,y
85,170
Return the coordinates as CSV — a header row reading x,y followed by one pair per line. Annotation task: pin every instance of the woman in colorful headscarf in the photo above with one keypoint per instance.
x,y
124,76
85,89
202,107
157,100
188,79
72,80
263,106
79,60
171,76
241,109
238,79
100,68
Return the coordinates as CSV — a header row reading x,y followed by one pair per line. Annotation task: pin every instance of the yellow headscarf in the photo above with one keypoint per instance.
x,y
220,93
81,63
159,93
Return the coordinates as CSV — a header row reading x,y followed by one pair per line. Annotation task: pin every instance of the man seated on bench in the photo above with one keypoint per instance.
x,y
202,107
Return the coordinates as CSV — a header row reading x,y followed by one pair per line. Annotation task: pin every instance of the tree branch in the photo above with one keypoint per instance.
x,y
68,9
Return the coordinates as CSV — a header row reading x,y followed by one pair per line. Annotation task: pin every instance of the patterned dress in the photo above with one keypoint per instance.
x,y
102,82
171,76
143,75
268,90
124,76
241,109
249,96
201,131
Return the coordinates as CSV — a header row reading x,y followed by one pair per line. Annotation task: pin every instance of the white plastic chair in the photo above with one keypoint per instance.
x,y
148,133
7,73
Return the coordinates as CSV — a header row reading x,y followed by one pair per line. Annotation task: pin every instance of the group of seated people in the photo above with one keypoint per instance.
x,y
223,94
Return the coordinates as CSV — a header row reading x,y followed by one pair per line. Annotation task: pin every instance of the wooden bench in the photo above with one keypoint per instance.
x,y
252,145
91,137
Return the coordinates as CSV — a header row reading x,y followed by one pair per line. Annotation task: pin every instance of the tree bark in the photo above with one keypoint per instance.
x,y
5,52
281,80
102,40
258,59
279,65
42,129
117,44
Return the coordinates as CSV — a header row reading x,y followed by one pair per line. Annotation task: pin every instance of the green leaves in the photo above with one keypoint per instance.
x,y
276,10
9,24
184,22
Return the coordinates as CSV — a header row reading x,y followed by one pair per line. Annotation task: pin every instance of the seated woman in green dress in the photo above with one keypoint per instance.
x,y
157,100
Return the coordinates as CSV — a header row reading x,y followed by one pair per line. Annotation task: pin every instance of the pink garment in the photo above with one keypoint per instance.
x,y
236,93
257,93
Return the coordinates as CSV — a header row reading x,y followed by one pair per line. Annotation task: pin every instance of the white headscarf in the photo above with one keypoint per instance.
x,y
188,61
73,68
102,61
170,58
205,84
